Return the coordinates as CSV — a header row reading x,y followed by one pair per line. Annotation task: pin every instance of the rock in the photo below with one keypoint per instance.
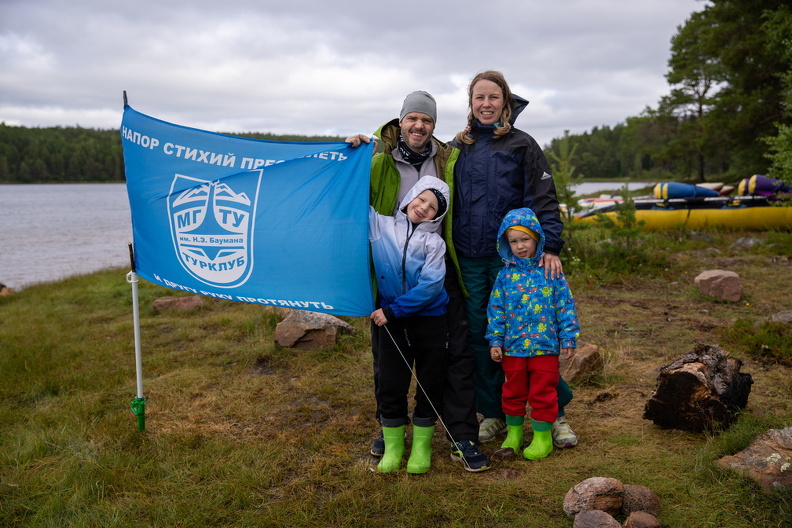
x,y
182,304
701,391
639,498
721,284
595,493
586,362
595,519
700,236
641,519
767,460
745,243
782,317
310,330
5,291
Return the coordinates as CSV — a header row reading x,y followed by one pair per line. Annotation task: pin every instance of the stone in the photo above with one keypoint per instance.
x,y
782,317
310,330
641,519
181,304
595,519
640,498
701,391
767,460
721,284
595,493
745,243
586,362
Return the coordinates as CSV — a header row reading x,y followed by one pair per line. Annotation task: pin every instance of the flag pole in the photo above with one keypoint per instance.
x,y
138,405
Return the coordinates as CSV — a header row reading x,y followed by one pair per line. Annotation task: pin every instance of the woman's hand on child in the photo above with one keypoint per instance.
x,y
496,353
378,316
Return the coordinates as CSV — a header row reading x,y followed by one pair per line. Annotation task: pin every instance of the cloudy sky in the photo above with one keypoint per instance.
x,y
318,67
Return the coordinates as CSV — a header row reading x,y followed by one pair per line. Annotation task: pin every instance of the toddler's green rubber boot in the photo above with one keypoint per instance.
x,y
542,443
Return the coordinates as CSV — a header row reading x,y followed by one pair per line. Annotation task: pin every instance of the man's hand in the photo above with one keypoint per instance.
x,y
357,139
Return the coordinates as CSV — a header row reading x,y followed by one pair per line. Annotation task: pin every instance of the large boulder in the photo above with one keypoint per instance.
x,y
595,493
767,460
641,519
586,362
310,330
721,284
180,304
640,498
595,519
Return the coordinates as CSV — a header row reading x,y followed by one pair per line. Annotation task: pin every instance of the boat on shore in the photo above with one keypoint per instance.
x,y
755,207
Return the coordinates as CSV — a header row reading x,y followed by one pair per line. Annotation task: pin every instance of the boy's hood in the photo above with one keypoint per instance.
x,y
424,183
524,217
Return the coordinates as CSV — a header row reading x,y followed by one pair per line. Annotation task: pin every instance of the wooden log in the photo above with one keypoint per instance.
x,y
701,391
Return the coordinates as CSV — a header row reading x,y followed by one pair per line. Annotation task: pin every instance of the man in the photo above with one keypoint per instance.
x,y
411,151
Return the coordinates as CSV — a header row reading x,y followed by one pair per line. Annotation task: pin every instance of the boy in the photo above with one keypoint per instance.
x,y
408,255
530,318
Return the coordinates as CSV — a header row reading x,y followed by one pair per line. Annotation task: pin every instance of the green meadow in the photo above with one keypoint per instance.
x,y
243,433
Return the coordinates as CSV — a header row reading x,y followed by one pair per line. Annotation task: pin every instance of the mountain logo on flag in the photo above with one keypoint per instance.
x,y
212,227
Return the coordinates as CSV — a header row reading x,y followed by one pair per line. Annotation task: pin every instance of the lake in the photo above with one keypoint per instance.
x,y
50,232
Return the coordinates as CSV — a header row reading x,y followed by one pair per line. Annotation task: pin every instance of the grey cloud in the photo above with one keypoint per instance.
x,y
315,67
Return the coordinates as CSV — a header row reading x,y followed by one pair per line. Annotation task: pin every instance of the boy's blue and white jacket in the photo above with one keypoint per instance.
x,y
409,258
529,315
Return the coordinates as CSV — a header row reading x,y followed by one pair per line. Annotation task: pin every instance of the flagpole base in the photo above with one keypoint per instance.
x,y
138,407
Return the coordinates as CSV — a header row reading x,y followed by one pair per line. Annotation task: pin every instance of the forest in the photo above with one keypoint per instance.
x,y
728,115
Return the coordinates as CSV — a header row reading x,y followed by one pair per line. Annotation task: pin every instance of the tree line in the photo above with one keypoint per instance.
x,y
729,111
728,115
74,154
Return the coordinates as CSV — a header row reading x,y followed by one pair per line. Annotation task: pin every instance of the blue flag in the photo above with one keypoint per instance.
x,y
267,222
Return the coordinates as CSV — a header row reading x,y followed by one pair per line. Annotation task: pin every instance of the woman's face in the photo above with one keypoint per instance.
x,y
487,102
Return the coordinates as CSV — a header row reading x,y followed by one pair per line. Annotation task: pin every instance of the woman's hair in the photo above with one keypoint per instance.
x,y
508,100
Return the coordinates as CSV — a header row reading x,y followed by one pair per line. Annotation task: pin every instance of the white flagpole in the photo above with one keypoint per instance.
x,y
138,405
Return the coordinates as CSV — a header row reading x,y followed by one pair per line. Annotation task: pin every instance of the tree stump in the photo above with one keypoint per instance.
x,y
701,391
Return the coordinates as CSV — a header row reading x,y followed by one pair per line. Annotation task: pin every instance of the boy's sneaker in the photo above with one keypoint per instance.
x,y
563,435
468,453
489,428
378,447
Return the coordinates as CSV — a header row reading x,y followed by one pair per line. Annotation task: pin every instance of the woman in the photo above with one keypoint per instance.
x,y
500,168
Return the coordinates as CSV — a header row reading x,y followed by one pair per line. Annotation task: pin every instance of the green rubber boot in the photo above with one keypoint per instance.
x,y
421,453
394,449
542,443
514,433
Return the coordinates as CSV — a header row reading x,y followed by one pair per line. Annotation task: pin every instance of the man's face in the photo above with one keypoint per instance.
x,y
417,129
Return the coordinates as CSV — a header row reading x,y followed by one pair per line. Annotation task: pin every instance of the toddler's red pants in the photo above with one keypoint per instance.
x,y
531,380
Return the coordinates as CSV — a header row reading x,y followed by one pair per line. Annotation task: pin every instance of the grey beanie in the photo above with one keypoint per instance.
x,y
419,101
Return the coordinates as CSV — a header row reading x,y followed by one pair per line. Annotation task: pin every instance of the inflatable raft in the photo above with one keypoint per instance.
x,y
692,206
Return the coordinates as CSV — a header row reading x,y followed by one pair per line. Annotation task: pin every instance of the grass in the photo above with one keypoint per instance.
x,y
243,433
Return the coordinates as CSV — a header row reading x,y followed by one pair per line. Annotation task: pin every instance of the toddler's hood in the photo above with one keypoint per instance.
x,y
523,217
